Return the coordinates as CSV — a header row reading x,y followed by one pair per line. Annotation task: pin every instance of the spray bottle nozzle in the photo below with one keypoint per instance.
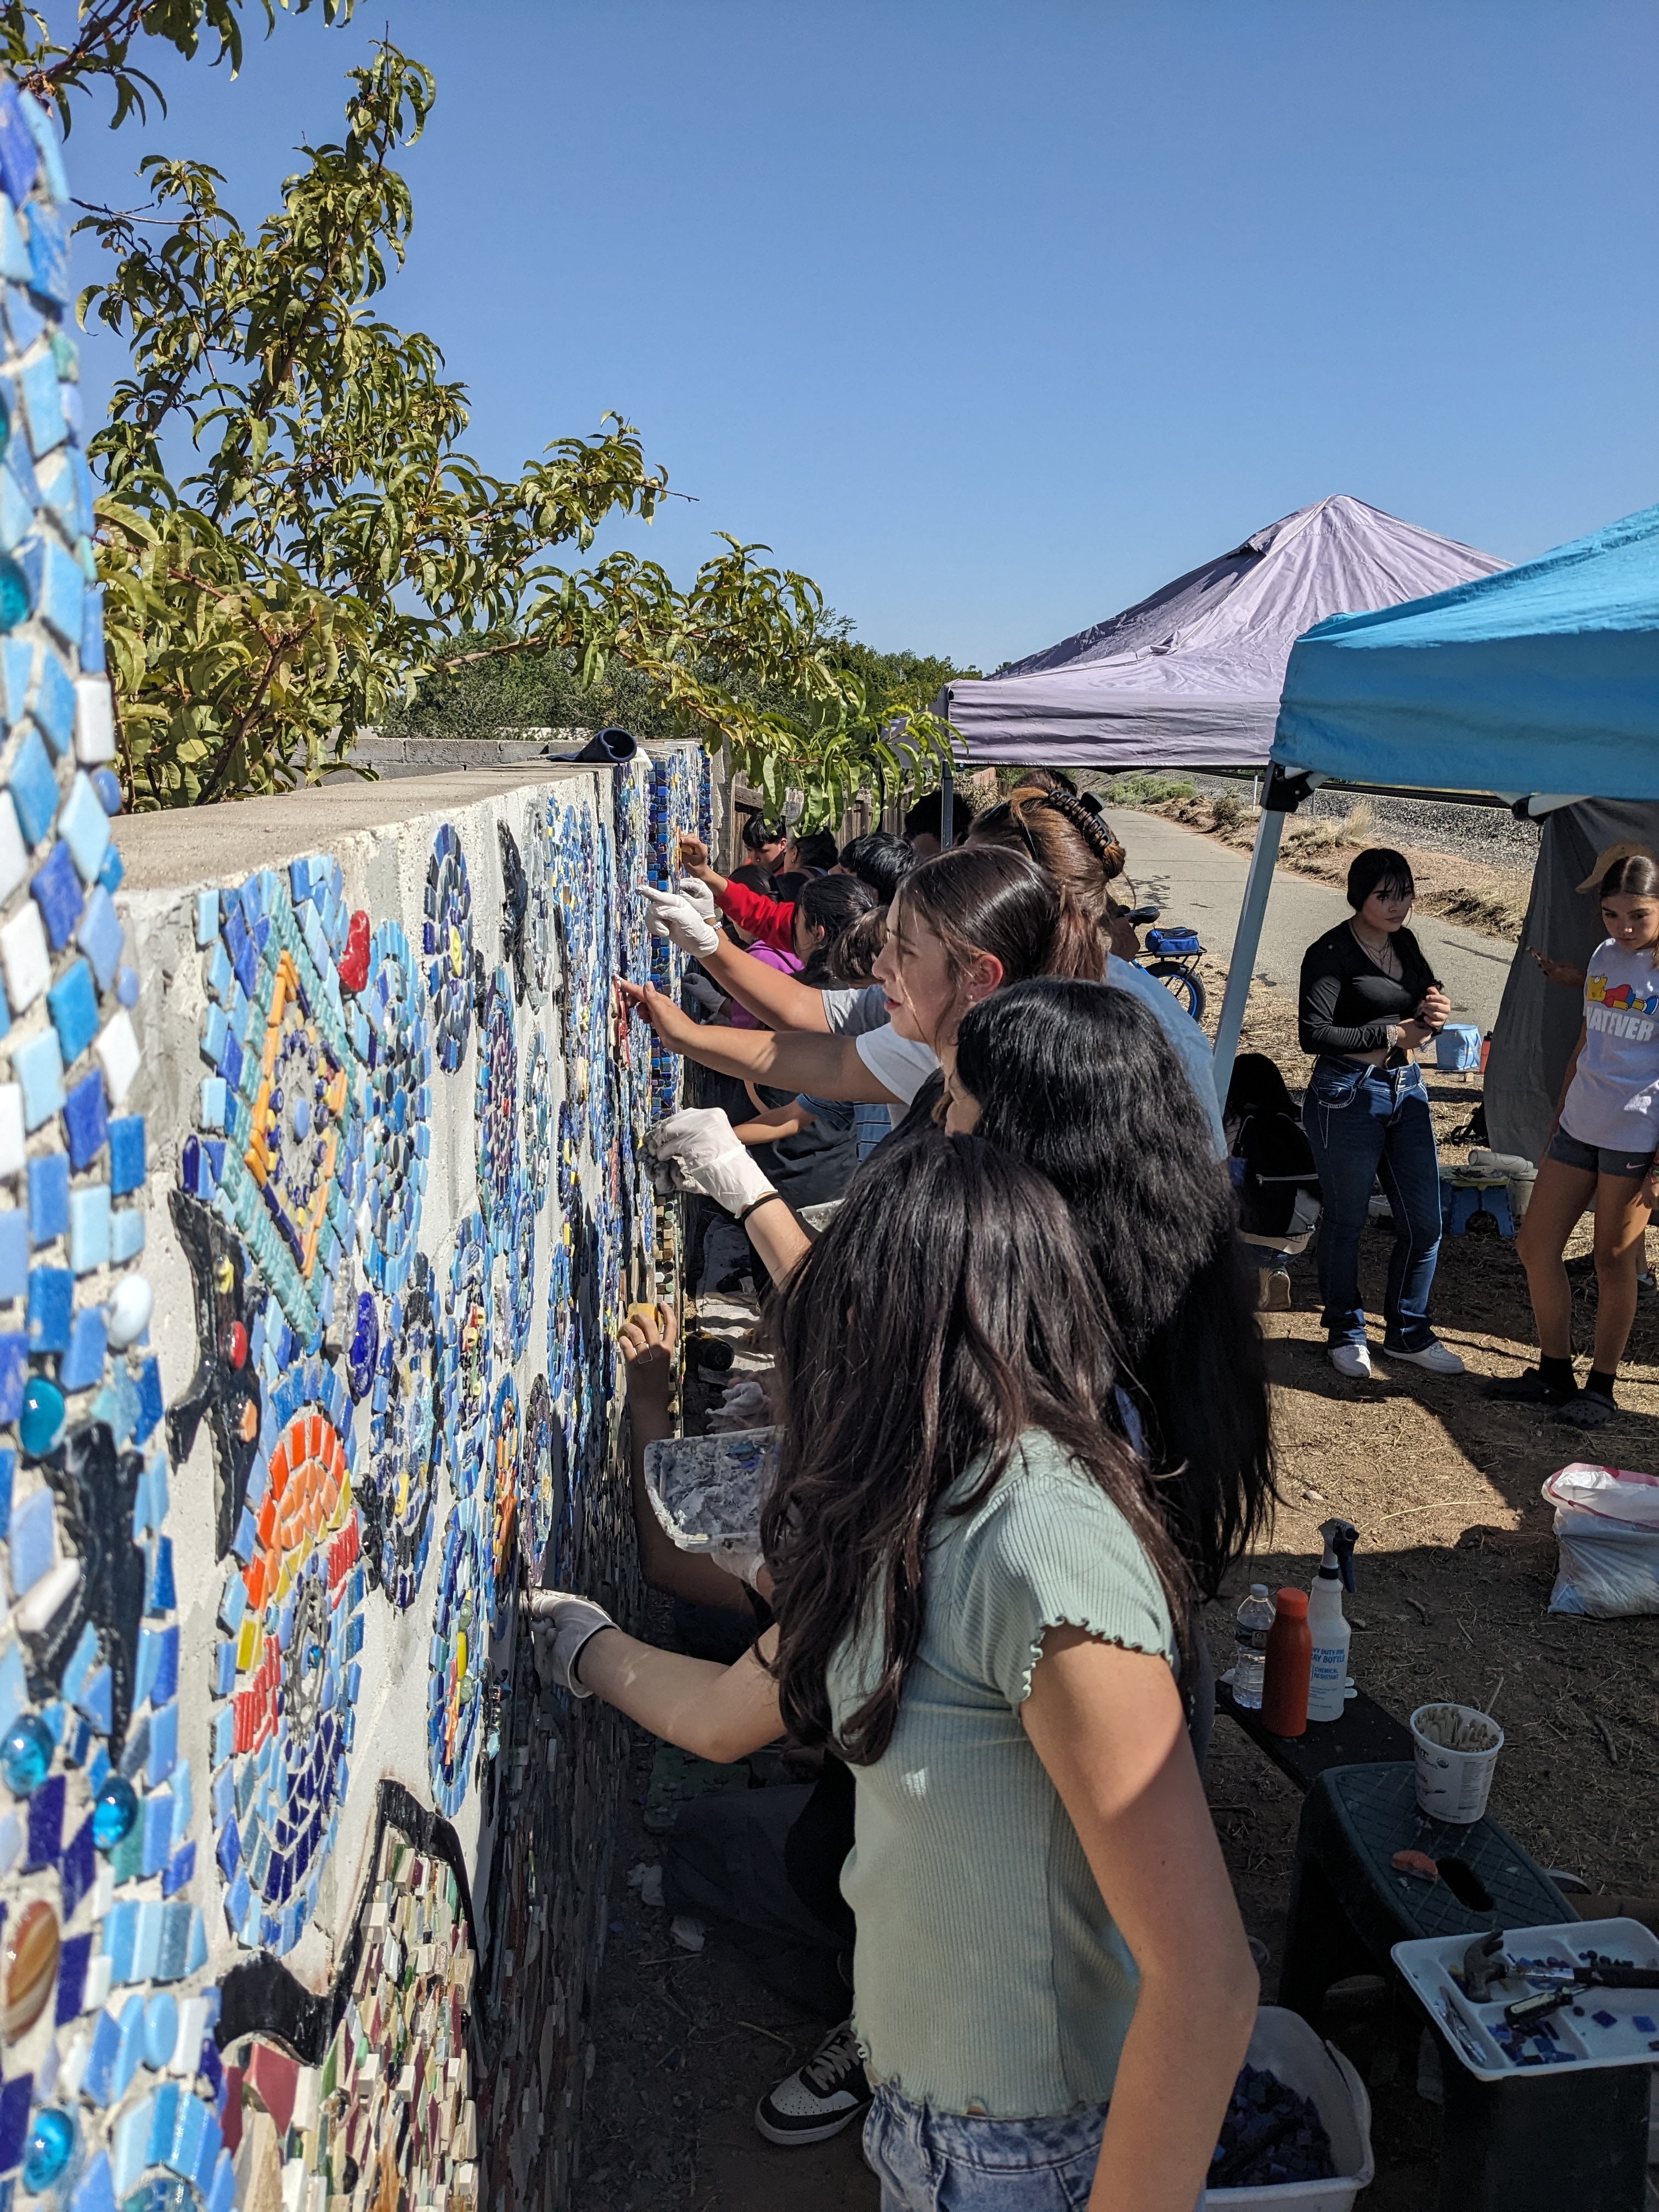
x,y
1341,1537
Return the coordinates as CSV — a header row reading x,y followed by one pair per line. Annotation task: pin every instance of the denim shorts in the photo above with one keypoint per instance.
x,y
929,2161
1597,1159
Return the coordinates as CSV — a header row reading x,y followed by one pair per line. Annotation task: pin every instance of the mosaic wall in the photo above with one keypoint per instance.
x,y
313,1253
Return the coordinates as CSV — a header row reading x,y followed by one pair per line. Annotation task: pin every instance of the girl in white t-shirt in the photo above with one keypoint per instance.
x,y
1602,1147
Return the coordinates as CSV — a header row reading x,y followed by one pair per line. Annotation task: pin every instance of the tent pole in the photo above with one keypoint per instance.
x,y
1269,828
947,808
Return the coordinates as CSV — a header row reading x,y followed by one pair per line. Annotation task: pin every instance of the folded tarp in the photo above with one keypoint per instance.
x,y
1545,678
1191,677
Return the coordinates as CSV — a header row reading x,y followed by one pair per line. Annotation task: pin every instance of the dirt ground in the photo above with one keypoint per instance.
x,y
1454,1569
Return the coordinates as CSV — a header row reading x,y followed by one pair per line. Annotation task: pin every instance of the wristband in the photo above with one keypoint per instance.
x,y
754,1206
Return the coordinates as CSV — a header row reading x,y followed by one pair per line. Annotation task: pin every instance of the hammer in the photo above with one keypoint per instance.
x,y
1483,1963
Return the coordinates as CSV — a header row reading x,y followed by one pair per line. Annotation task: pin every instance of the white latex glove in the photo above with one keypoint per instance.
x,y
696,893
746,1565
744,1405
564,1625
700,1149
673,917
704,994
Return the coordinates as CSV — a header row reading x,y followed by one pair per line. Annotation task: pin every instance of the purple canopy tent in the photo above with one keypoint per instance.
x,y
1191,677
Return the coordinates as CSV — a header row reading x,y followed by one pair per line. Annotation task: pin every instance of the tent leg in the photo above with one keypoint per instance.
x,y
1269,828
947,810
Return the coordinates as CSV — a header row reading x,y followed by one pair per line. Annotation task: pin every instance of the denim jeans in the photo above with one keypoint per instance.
x,y
1368,1124
929,2161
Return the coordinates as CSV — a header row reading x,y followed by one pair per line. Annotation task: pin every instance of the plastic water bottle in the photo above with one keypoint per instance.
x,y
1256,1618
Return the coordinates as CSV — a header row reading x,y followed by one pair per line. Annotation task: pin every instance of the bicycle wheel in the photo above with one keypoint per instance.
x,y
1182,985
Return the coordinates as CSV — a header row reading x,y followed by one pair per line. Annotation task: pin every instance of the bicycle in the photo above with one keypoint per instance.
x,y
1175,953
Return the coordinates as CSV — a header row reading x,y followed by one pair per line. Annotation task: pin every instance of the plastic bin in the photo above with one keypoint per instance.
x,y
1457,1048
1286,2045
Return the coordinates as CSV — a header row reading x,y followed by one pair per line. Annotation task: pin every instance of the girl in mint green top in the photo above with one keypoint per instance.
x,y
979,1604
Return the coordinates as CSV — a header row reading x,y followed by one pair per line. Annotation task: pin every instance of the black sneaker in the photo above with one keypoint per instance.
x,y
827,2095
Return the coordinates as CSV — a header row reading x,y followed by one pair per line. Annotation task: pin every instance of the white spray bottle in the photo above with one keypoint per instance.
x,y
1326,1625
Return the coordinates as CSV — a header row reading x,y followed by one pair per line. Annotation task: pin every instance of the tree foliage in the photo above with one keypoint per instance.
x,y
106,34
293,538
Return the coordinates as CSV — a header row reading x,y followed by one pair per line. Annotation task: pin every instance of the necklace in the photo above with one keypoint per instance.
x,y
1382,955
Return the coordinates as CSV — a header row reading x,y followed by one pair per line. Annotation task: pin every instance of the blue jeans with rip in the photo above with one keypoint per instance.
x,y
1366,1125
929,2161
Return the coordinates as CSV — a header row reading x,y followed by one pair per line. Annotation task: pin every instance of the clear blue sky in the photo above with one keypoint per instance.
x,y
992,316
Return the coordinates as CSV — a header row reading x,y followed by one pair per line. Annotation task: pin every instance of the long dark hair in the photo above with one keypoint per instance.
x,y
1079,1080
985,899
833,904
947,1310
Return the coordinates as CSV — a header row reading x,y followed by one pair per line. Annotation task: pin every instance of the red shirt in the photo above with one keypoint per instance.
x,y
772,920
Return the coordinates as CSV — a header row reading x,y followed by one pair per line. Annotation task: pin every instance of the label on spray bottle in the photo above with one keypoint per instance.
x,y
1327,1679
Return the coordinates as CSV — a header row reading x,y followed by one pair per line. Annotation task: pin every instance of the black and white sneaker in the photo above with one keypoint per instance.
x,y
824,2096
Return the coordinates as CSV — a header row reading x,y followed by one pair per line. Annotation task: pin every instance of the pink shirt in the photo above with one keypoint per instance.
x,y
785,963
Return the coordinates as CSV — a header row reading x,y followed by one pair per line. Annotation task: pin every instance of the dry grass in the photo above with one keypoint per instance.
x,y
1457,889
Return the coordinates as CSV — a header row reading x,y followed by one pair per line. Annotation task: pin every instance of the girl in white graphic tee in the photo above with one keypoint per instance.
x,y
1602,1147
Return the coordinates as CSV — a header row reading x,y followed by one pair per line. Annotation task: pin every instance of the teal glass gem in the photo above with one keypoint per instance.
x,y
50,2147
41,1421
114,1813
26,1755
13,593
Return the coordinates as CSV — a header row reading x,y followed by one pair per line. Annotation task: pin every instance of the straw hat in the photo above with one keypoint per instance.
x,y
1625,849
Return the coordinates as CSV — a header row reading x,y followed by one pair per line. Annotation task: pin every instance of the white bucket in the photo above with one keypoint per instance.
x,y
1285,2044
1454,1786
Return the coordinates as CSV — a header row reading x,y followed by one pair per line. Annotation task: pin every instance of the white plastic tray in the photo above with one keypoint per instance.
x,y
1599,2027
1285,2044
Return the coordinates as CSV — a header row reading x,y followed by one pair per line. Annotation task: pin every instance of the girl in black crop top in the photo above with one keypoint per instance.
x,y
1368,1000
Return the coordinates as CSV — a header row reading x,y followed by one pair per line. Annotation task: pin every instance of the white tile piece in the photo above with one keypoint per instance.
x,y
117,1048
94,721
25,958
12,1150
14,852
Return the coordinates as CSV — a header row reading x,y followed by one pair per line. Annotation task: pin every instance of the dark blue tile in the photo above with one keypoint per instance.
x,y
151,1409
15,2100
180,1871
85,1121
45,1825
78,1869
57,888
72,1976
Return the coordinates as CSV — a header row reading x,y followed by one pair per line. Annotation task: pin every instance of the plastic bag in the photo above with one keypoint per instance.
x,y
1606,1529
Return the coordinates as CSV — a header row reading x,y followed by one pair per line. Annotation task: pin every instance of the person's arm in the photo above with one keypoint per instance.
x,y
772,1122
1559,972
1107,1726
773,998
772,920
647,1349
722,1713
830,1065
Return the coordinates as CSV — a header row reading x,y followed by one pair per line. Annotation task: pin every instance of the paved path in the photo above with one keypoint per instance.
x,y
1195,880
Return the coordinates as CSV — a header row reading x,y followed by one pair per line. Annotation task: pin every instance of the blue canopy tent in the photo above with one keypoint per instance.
x,y
1510,686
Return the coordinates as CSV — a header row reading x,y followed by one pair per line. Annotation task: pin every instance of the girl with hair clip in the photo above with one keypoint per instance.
x,y
979,1605
1601,1151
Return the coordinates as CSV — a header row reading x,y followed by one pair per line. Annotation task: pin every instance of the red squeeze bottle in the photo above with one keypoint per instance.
x,y
1290,1663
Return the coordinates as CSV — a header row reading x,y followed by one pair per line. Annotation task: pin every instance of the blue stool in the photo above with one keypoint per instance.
x,y
1461,1202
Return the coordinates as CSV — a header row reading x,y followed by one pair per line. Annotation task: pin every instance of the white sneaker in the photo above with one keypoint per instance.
x,y
1353,1360
1434,1359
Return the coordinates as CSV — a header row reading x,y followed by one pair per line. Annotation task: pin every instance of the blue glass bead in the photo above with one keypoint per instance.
x,y
41,1421
51,2145
14,592
114,1813
26,1755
